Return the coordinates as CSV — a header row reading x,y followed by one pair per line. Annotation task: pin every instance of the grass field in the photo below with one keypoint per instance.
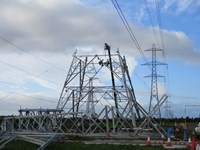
x,y
21,145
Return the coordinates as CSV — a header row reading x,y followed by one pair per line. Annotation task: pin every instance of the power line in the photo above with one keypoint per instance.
x,y
160,31
151,21
6,82
144,83
167,85
122,17
20,86
41,99
25,51
130,32
162,40
159,23
10,93
22,70
128,28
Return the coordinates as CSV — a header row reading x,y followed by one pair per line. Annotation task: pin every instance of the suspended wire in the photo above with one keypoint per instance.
x,y
151,21
24,71
160,30
144,83
6,82
41,99
130,32
20,86
27,52
167,83
122,17
161,34
162,41
128,28
159,22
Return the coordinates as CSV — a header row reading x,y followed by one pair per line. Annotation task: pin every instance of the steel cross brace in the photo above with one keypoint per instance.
x,y
149,119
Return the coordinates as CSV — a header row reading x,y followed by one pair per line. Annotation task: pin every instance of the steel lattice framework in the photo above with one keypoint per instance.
x,y
80,96
154,98
97,99
86,69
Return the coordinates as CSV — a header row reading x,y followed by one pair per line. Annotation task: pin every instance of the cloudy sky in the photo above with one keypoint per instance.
x,y
38,38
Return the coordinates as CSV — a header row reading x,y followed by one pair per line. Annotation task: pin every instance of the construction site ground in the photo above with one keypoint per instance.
x,y
174,144
95,145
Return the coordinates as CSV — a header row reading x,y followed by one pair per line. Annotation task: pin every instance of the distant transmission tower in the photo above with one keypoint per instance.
x,y
90,107
168,110
154,98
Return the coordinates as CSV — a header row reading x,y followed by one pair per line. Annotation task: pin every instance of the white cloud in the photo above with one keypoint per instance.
x,y
184,6
16,83
52,30
179,46
66,25
13,102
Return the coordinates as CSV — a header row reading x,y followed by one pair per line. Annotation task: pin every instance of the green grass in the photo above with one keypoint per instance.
x,y
80,146
21,145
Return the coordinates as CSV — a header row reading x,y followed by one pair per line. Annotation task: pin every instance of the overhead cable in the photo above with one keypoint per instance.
x,y
24,71
37,98
19,86
128,28
159,23
130,32
151,21
27,52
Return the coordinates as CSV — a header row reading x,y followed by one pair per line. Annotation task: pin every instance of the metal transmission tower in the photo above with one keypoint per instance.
x,y
99,86
154,98
97,99
90,108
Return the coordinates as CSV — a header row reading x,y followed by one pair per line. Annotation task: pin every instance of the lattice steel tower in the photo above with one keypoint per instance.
x,y
97,100
154,98
99,86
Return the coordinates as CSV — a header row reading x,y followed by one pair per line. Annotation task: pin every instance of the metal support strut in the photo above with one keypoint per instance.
x,y
107,47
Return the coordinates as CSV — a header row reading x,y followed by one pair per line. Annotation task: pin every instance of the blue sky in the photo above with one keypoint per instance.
x,y
39,37
183,76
